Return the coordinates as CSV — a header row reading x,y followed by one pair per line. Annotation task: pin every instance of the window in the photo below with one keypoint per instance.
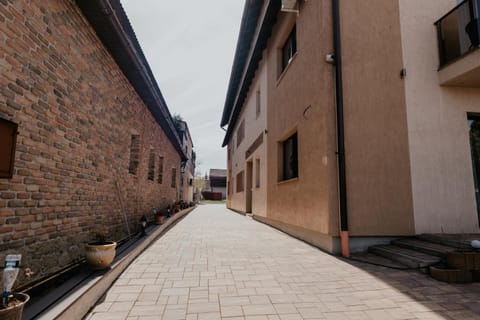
x,y
474,133
240,179
134,154
240,133
8,137
258,105
289,158
289,48
257,173
151,166
174,177
160,170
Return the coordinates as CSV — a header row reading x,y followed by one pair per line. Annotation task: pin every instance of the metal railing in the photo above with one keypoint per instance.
x,y
458,31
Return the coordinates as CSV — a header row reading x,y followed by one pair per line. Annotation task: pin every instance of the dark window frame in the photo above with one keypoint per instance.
x,y
258,104
289,48
240,133
240,182
174,178
160,170
9,148
289,158
151,166
134,154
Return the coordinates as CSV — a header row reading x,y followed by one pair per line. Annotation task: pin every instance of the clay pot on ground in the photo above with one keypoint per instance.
x,y
99,255
15,311
158,219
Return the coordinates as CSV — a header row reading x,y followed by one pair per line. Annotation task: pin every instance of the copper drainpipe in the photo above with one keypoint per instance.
x,y
342,185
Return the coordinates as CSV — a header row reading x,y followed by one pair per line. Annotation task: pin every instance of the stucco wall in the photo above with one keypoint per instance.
x,y
254,127
441,166
376,142
301,100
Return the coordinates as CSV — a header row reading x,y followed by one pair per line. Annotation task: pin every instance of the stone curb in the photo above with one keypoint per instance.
x,y
79,303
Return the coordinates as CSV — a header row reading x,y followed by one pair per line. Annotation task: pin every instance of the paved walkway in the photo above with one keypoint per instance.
x,y
216,264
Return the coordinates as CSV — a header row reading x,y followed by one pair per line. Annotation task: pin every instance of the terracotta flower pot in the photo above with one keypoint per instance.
x,y
15,312
158,219
99,255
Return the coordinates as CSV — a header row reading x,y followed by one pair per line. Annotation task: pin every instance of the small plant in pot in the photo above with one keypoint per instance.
x,y
158,216
100,253
11,304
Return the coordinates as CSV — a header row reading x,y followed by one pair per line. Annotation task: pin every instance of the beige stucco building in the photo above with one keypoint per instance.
x,y
405,76
187,169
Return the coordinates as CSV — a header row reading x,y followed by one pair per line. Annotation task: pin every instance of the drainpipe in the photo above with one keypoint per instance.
x,y
342,189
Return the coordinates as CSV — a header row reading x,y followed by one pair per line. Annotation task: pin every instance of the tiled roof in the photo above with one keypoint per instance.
x,y
255,29
218,173
110,22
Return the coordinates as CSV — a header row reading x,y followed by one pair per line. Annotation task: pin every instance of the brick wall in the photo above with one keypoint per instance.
x,y
76,113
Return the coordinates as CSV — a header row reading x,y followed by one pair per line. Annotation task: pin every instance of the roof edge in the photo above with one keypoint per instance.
x,y
130,59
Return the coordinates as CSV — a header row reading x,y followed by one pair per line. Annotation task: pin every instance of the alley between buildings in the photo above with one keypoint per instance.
x,y
216,264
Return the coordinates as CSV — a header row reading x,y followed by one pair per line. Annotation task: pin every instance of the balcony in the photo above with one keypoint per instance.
x,y
458,43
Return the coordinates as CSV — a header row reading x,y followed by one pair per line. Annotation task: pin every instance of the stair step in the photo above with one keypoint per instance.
x,y
454,241
430,248
410,258
375,259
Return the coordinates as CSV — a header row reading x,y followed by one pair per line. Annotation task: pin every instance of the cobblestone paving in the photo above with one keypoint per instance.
x,y
216,264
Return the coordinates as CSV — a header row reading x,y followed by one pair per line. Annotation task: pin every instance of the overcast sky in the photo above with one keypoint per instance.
x,y
190,45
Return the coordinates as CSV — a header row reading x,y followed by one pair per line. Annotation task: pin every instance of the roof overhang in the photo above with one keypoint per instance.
x,y
111,24
258,20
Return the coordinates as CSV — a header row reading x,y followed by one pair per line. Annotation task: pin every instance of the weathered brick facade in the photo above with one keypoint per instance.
x,y
76,113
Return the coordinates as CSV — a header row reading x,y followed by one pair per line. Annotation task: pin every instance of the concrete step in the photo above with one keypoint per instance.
x,y
430,248
408,257
377,260
451,240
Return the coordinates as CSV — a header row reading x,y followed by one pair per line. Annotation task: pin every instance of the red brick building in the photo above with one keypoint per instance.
x,y
91,137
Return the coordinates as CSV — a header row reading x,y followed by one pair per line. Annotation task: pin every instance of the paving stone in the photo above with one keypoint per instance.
x,y
215,264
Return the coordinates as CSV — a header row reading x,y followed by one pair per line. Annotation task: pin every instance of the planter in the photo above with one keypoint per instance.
x,y
15,312
99,255
451,275
158,219
464,260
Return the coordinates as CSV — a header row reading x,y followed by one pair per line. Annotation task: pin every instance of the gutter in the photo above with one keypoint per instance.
x,y
342,181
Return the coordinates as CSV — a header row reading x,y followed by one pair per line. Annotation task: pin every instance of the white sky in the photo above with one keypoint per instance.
x,y
190,46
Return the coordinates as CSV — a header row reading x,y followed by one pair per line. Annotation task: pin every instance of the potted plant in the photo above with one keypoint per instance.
x,y
100,253
463,264
11,304
158,216
176,207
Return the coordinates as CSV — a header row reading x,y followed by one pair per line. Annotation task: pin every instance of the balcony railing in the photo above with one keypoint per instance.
x,y
458,31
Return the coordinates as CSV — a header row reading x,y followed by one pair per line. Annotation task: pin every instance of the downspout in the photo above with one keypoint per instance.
x,y
342,188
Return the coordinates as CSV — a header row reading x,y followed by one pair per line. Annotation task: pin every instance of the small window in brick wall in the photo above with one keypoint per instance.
x,y
8,138
160,170
174,177
134,154
151,166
